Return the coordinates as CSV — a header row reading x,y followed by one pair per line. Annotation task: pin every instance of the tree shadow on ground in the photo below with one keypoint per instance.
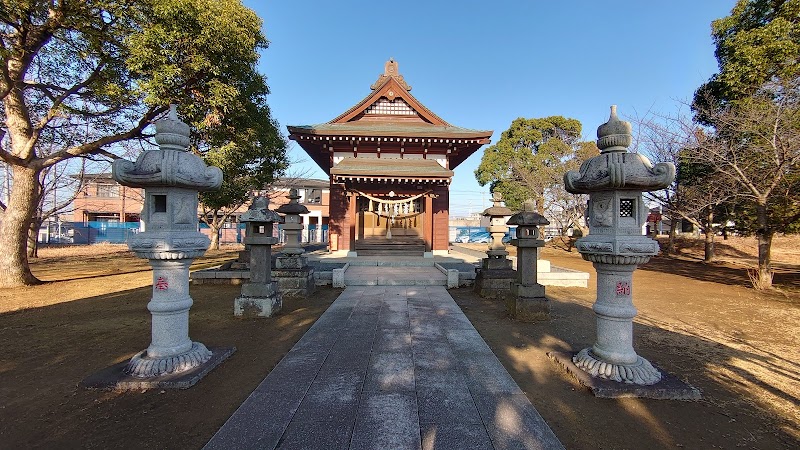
x,y
47,351
718,272
743,403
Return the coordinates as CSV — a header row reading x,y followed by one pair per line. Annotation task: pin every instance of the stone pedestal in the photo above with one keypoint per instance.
x,y
258,300
612,356
170,350
494,278
294,276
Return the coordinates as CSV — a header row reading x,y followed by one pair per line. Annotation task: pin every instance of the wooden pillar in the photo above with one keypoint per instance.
x,y
337,217
428,223
351,221
441,219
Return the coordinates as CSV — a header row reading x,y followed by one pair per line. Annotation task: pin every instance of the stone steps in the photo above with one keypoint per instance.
x,y
374,275
397,246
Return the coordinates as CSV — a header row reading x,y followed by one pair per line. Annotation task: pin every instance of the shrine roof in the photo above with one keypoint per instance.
x,y
391,167
390,110
389,129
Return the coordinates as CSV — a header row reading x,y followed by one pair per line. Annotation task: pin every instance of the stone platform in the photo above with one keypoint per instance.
x,y
388,368
457,268
669,388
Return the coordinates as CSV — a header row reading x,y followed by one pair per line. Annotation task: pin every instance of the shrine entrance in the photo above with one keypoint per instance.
x,y
391,215
390,224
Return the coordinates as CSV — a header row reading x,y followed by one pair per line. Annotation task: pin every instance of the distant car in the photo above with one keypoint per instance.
x,y
480,237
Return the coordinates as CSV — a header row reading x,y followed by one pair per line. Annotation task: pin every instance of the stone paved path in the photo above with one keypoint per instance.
x,y
388,368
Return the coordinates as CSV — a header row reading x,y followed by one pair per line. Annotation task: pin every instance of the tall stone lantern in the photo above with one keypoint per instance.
x,y
527,300
295,277
496,274
260,296
171,178
616,213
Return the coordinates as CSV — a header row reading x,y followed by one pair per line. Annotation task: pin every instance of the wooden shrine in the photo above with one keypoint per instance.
x,y
390,161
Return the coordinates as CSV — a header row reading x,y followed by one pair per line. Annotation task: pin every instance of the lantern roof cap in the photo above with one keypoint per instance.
x,y
498,209
259,212
171,165
293,207
615,168
528,216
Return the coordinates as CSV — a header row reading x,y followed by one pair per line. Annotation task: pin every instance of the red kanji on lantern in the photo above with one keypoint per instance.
x,y
623,288
161,284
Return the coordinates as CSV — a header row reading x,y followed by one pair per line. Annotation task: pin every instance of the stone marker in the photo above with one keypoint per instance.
x,y
615,245
527,300
260,296
171,177
295,277
496,274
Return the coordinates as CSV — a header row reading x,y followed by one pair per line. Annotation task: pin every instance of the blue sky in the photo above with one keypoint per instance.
x,y
482,64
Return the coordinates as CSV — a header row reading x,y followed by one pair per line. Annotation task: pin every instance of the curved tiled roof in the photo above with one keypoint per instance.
x,y
389,129
389,167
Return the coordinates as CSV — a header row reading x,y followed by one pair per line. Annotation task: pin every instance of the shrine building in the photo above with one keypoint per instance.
x,y
390,161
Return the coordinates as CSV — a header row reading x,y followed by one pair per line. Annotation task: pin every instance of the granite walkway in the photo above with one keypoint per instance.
x,y
388,367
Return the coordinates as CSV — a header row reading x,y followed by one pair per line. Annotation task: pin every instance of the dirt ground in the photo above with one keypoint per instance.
x,y
697,321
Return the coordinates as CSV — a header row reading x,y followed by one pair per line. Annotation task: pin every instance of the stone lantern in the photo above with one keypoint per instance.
x,y
295,277
293,224
260,296
527,300
616,213
171,178
496,274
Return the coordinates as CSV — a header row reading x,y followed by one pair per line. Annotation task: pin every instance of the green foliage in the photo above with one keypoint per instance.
x,y
82,77
757,44
531,157
116,63
189,43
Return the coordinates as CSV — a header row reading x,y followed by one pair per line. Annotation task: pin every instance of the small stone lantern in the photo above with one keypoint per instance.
x,y
293,225
495,276
260,296
616,213
497,254
295,277
171,178
527,300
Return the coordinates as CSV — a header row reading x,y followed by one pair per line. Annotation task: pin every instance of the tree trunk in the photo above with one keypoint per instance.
x,y
214,228
673,231
708,250
33,237
764,235
14,269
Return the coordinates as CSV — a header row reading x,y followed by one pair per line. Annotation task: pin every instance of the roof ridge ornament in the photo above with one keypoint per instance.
x,y
390,70
615,134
